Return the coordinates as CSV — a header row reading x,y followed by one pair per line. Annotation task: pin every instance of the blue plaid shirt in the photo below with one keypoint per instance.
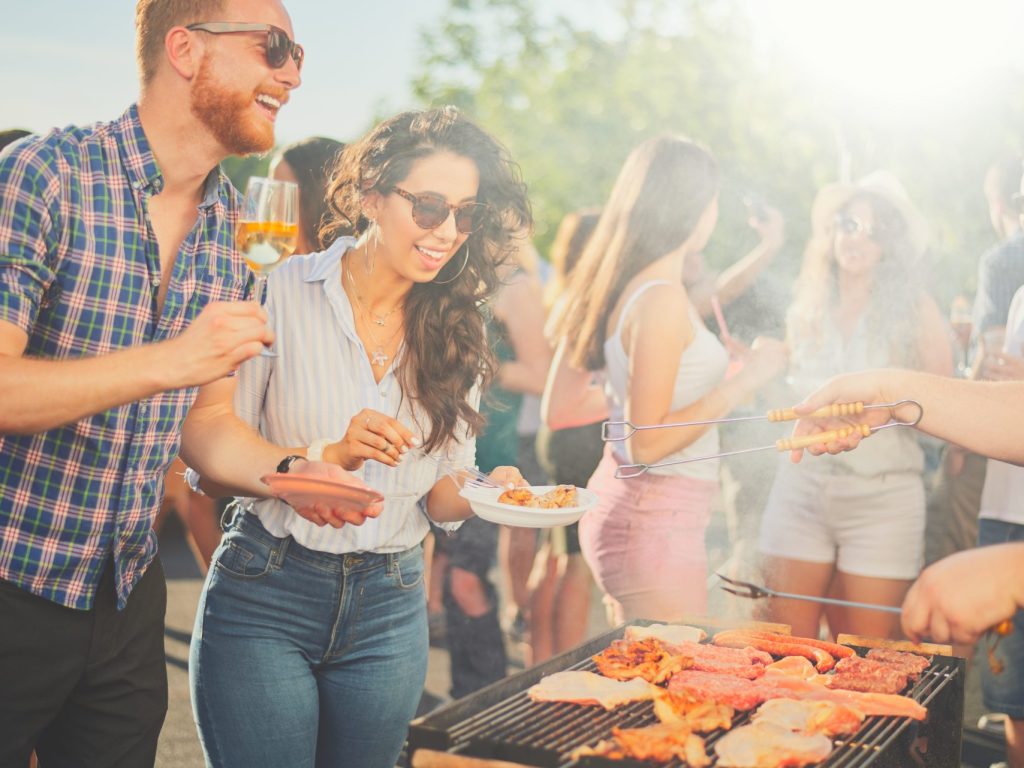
x,y
79,273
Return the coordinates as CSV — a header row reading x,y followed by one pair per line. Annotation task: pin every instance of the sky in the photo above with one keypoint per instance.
x,y
72,62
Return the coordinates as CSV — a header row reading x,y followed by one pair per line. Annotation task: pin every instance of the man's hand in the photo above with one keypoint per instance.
x,y
333,512
221,338
852,388
964,595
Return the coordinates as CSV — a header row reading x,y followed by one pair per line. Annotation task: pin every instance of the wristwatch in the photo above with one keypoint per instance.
x,y
286,463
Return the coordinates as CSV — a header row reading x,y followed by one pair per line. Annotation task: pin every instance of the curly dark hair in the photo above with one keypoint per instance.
x,y
446,351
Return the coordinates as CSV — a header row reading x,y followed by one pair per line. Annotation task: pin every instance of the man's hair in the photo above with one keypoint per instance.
x,y
153,19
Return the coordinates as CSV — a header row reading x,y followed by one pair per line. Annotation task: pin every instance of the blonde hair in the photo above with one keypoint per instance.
x,y
155,18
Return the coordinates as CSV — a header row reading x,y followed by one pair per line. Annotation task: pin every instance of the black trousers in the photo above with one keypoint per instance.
x,y
83,688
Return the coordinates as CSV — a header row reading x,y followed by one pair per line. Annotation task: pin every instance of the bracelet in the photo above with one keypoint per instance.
x,y
286,463
315,452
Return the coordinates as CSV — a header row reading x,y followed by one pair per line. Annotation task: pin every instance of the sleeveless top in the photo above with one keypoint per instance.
x,y
701,368
812,364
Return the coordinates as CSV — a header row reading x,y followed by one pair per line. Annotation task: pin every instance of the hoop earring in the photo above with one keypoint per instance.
x,y
452,279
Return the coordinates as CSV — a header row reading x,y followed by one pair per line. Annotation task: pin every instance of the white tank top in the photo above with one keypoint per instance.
x,y
701,368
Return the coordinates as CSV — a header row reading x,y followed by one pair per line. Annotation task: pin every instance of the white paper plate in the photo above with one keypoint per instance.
x,y
485,504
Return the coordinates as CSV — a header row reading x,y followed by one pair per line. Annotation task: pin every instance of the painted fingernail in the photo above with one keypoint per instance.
x,y
416,442
404,449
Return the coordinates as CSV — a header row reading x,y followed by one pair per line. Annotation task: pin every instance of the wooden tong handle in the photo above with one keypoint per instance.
x,y
828,411
793,443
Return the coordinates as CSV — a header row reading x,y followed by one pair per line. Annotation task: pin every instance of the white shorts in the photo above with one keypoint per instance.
x,y
867,526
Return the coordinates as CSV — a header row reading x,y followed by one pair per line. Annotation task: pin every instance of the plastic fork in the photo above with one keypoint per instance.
x,y
626,471
463,477
755,592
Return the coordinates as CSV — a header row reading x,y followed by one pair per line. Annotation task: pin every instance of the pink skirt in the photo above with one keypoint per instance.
x,y
644,543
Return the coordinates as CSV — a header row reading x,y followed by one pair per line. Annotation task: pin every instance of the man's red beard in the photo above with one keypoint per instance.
x,y
227,114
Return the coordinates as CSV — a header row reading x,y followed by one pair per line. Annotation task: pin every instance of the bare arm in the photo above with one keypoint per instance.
x,y
43,394
982,416
520,306
570,399
658,334
445,505
734,281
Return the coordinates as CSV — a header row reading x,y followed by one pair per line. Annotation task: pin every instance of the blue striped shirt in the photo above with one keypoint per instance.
x,y
319,380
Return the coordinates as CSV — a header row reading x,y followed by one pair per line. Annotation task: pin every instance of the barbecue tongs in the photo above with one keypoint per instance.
x,y
626,471
753,591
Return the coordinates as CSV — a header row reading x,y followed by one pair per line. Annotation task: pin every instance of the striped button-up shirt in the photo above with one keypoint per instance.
x,y
319,380
79,273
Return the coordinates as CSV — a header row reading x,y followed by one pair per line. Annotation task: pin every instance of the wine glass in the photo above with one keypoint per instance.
x,y
962,323
268,229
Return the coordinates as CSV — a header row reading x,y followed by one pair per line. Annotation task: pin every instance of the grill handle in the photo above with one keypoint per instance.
x,y
430,758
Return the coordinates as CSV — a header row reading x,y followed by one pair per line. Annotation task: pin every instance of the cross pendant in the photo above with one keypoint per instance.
x,y
378,357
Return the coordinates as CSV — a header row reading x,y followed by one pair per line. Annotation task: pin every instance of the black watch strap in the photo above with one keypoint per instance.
x,y
286,463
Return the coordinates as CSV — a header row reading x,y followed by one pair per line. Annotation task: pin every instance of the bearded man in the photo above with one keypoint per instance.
x,y
121,295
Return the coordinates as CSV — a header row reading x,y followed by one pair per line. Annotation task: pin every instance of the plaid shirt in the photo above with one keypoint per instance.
x,y
79,273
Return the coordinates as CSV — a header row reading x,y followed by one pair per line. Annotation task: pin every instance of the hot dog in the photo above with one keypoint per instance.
x,y
780,645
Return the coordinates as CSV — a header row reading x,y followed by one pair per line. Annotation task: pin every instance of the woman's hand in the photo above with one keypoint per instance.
x,y
508,477
371,435
771,226
1002,366
337,512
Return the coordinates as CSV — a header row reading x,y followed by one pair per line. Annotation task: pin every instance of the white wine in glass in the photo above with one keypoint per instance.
x,y
268,228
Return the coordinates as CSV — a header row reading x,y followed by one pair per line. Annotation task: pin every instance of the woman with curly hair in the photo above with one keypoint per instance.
x,y
854,526
310,646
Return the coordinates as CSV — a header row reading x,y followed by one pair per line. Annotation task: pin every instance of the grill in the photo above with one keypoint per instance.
x,y
500,722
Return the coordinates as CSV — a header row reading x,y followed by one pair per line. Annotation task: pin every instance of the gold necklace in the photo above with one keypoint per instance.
x,y
380,320
378,357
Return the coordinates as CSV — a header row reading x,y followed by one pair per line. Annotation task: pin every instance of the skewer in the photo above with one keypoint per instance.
x,y
626,471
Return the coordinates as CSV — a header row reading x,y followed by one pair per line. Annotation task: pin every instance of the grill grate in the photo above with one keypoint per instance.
x,y
545,733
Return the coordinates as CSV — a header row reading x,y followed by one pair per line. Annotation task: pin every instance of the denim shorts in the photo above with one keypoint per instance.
x,y
308,658
1004,692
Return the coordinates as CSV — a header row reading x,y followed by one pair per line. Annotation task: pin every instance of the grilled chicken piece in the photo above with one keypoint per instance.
x,y
770,745
650,659
587,688
659,743
679,709
827,717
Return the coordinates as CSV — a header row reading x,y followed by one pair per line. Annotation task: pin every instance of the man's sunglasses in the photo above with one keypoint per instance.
x,y
279,45
430,211
850,226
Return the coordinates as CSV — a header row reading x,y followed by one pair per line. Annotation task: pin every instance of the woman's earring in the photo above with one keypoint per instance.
x,y
371,252
452,279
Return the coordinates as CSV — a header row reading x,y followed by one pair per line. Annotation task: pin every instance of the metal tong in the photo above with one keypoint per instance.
x,y
626,471
753,591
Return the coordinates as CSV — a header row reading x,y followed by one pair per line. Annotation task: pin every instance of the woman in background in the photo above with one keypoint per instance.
x,y
308,164
628,313
853,527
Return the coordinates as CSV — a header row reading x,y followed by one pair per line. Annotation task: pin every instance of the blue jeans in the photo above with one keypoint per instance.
x,y
1004,692
303,658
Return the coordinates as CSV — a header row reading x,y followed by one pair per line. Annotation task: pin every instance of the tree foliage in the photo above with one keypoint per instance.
x,y
570,102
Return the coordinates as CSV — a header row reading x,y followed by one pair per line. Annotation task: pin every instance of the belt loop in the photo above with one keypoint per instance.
x,y
278,553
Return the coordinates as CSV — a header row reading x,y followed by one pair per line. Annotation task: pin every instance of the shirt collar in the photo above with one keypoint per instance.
x,y
321,269
136,154
141,166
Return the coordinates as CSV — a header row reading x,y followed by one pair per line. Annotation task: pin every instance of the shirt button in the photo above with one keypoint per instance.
x,y
383,393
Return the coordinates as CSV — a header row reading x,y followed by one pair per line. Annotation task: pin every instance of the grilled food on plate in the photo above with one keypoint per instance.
x,y
559,497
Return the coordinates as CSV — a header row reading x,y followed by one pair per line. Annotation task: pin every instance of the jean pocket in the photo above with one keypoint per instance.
x,y
245,558
407,574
